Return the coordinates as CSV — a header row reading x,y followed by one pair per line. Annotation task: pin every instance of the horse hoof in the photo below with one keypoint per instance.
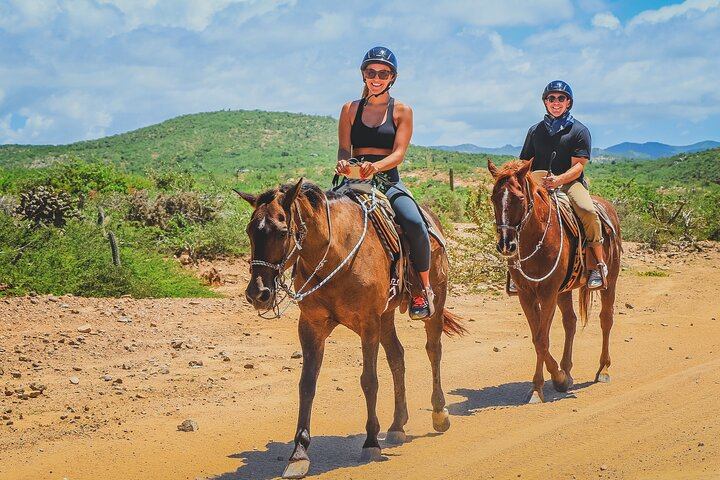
x,y
296,469
564,385
371,454
535,398
441,420
395,437
603,378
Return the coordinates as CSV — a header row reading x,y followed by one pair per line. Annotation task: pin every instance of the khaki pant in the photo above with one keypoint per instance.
x,y
583,206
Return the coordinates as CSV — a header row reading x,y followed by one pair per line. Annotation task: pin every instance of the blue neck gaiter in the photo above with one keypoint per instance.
x,y
555,125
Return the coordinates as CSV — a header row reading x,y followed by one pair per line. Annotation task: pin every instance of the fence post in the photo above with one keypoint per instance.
x,y
452,180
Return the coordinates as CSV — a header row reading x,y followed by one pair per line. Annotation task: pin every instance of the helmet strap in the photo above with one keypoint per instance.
x,y
367,99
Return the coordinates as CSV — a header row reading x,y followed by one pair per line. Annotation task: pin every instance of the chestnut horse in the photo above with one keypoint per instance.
x,y
314,232
539,261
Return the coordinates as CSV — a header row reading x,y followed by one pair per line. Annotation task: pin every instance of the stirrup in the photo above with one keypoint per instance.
x,y
510,287
597,279
426,309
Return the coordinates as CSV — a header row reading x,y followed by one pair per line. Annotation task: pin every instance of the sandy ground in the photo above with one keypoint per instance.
x,y
659,418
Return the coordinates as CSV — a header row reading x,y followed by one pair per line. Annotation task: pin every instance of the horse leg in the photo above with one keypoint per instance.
x,y
369,383
540,315
312,340
433,347
396,359
607,298
558,376
569,319
531,307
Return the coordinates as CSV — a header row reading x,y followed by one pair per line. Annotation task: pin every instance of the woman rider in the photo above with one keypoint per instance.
x,y
561,145
376,131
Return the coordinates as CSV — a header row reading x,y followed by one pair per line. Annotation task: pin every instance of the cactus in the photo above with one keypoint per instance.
x,y
101,217
114,249
43,205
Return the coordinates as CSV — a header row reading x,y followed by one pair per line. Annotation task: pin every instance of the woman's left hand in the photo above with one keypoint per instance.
x,y
368,169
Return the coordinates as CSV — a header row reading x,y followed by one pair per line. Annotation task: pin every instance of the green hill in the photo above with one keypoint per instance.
x,y
689,169
219,142
246,146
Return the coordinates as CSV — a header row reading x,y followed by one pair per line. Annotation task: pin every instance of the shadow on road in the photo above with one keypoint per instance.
x,y
326,454
506,395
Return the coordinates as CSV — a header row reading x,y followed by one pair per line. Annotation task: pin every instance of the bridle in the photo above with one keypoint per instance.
x,y
528,211
298,237
517,258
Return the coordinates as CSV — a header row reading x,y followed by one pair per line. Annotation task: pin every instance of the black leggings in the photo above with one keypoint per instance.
x,y
408,215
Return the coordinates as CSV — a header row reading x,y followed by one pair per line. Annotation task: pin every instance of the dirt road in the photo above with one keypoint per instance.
x,y
118,376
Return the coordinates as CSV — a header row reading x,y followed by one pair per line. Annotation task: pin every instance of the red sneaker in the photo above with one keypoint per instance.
x,y
419,308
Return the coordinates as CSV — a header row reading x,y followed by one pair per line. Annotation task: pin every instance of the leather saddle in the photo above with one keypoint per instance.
x,y
403,277
576,274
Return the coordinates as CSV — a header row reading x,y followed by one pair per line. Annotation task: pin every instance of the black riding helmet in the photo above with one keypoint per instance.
x,y
381,55
558,86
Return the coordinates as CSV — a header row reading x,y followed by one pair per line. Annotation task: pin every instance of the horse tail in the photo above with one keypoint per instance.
x,y
452,324
585,297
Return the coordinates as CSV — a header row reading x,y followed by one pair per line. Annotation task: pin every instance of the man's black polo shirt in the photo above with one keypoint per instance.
x,y
571,142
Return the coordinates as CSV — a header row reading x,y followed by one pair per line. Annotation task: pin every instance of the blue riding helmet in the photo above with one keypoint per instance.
x,y
558,86
380,55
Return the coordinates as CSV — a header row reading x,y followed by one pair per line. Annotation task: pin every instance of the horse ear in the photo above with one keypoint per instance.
x,y
251,199
522,171
291,195
492,168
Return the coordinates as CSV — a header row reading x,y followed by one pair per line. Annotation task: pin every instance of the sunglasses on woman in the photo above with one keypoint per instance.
x,y
553,98
381,74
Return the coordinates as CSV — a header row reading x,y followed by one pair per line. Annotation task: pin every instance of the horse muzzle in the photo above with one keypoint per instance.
x,y
258,295
507,246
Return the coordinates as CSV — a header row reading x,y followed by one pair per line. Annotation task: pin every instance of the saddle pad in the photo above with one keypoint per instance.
x,y
574,277
433,228
382,218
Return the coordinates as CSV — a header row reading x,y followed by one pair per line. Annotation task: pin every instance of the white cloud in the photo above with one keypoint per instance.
x,y
670,12
472,72
606,20
495,14
18,15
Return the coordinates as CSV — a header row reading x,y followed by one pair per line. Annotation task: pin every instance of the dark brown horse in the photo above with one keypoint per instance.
x,y
301,227
539,256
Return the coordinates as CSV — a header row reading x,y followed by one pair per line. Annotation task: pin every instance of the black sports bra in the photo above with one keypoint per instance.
x,y
382,136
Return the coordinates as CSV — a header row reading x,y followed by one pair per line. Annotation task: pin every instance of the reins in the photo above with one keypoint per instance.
x,y
280,282
518,259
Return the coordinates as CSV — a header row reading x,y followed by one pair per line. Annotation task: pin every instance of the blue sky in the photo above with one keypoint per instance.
x,y
473,71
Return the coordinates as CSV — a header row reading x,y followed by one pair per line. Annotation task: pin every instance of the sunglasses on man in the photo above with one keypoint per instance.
x,y
553,98
381,74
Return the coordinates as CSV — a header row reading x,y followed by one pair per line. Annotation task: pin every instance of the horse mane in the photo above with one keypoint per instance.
x,y
510,168
309,190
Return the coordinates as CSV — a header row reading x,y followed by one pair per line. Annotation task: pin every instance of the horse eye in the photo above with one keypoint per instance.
x,y
283,232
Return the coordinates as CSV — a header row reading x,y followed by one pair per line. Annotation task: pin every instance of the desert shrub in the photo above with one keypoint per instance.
x,y
658,216
222,237
8,204
77,259
45,206
172,180
173,211
448,205
474,259
78,178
